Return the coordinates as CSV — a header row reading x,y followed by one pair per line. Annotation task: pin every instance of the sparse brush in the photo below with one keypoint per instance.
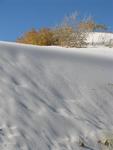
x,y
107,141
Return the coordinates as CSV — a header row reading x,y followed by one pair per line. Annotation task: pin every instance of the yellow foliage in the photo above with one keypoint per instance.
x,y
45,37
29,37
41,37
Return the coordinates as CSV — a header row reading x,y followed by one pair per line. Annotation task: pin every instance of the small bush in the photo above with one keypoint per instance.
x,y
68,34
77,39
61,35
29,37
42,37
45,37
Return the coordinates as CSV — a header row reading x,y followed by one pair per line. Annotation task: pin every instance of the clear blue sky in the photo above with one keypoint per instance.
x,y
17,16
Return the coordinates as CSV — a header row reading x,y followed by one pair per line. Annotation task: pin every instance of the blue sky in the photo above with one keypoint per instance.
x,y
18,16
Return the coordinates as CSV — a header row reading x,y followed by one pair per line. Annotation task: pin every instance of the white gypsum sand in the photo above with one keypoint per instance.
x,y
54,98
98,39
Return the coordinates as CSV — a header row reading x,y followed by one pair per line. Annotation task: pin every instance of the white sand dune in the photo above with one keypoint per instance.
x,y
100,38
55,98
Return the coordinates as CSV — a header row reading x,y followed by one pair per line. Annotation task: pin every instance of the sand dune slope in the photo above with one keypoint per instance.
x,y
54,98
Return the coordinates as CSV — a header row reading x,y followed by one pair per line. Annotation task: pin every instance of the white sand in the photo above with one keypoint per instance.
x,y
53,98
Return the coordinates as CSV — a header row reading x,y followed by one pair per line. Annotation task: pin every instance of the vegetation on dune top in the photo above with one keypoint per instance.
x,y
72,32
